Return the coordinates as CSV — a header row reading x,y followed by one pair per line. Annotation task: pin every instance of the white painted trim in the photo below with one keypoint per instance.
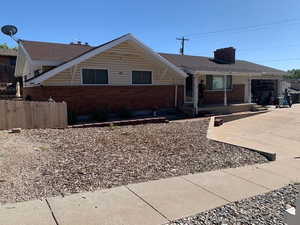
x,y
202,72
26,53
104,48
73,73
142,70
159,57
112,85
94,68
225,82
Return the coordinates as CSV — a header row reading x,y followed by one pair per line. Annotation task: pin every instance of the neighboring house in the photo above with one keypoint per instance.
x,y
125,73
8,59
293,85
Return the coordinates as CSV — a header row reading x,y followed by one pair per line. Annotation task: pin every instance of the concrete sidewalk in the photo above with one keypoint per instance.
x,y
154,202
276,132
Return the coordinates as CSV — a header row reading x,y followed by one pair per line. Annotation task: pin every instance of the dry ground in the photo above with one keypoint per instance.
x,y
51,162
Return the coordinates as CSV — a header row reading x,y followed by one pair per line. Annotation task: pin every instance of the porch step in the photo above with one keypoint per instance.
x,y
188,110
258,108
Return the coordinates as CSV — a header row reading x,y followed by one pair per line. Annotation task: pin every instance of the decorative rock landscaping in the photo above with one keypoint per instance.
x,y
87,159
264,209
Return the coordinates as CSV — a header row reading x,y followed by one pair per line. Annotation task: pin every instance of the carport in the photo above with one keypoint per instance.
x,y
264,91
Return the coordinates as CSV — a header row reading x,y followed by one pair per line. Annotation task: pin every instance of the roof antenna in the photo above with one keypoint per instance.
x,y
10,30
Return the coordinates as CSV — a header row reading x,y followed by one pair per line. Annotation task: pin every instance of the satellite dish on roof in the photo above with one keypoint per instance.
x,y
10,30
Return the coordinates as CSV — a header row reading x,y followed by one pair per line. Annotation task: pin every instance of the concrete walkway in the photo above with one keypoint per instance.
x,y
277,132
154,202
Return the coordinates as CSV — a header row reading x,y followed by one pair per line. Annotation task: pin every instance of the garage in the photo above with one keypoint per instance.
x,y
264,91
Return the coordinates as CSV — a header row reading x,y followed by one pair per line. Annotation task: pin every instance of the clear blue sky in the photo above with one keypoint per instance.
x,y
158,22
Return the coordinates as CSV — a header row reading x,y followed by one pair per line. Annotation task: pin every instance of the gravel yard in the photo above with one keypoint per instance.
x,y
56,161
267,209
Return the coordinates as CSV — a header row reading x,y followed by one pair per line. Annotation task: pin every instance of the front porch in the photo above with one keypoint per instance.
x,y
217,93
220,109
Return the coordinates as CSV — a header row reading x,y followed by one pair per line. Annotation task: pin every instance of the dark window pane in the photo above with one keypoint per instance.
x,y
101,77
88,76
94,76
141,77
209,82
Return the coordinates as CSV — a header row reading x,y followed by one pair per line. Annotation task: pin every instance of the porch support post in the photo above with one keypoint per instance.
x,y
249,90
279,87
225,90
195,94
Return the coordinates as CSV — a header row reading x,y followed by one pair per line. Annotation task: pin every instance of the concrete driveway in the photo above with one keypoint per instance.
x,y
277,132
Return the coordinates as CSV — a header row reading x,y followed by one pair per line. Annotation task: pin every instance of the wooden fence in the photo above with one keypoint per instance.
x,y
26,114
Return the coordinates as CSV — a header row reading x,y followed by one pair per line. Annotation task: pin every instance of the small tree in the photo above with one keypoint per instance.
x,y
294,74
5,46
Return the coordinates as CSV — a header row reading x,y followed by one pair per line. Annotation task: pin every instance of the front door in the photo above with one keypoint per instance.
x,y
189,88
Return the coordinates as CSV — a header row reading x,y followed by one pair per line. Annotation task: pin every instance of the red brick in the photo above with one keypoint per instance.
x,y
86,99
236,95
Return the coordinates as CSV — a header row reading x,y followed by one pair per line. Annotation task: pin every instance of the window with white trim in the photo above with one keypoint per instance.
x,y
141,77
94,76
217,83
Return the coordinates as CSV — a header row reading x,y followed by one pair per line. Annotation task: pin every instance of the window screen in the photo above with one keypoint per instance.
x,y
94,76
141,77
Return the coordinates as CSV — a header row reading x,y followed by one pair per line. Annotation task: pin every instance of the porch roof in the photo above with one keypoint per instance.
x,y
200,64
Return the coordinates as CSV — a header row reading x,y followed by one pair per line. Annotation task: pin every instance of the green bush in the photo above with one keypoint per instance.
x,y
72,117
100,115
125,113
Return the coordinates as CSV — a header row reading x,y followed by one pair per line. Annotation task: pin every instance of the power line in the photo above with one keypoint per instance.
x,y
255,27
183,40
279,60
243,50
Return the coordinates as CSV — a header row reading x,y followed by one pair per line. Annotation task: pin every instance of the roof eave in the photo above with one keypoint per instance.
x,y
203,72
101,49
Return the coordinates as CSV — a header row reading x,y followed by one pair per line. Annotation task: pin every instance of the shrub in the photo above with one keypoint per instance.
x,y
125,113
100,115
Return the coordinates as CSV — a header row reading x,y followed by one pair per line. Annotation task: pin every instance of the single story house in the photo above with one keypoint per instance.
x,y
125,73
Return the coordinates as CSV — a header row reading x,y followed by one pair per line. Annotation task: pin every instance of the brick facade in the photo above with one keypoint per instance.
x,y
236,95
85,99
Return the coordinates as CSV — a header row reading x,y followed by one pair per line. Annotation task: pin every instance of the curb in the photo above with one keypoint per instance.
x,y
122,122
238,116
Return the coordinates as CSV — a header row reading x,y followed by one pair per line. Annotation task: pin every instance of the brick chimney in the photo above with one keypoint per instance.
x,y
225,55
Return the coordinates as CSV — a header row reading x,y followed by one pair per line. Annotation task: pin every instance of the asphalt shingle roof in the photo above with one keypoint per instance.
x,y
53,51
200,63
62,53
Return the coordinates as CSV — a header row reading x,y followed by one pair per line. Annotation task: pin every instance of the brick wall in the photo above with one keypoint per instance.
x,y
236,95
85,99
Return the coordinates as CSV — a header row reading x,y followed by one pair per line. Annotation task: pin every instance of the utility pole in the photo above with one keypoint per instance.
x,y
183,40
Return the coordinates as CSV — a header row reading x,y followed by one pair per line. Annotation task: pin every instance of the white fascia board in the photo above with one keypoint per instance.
x,y
99,50
78,60
158,57
25,51
234,73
